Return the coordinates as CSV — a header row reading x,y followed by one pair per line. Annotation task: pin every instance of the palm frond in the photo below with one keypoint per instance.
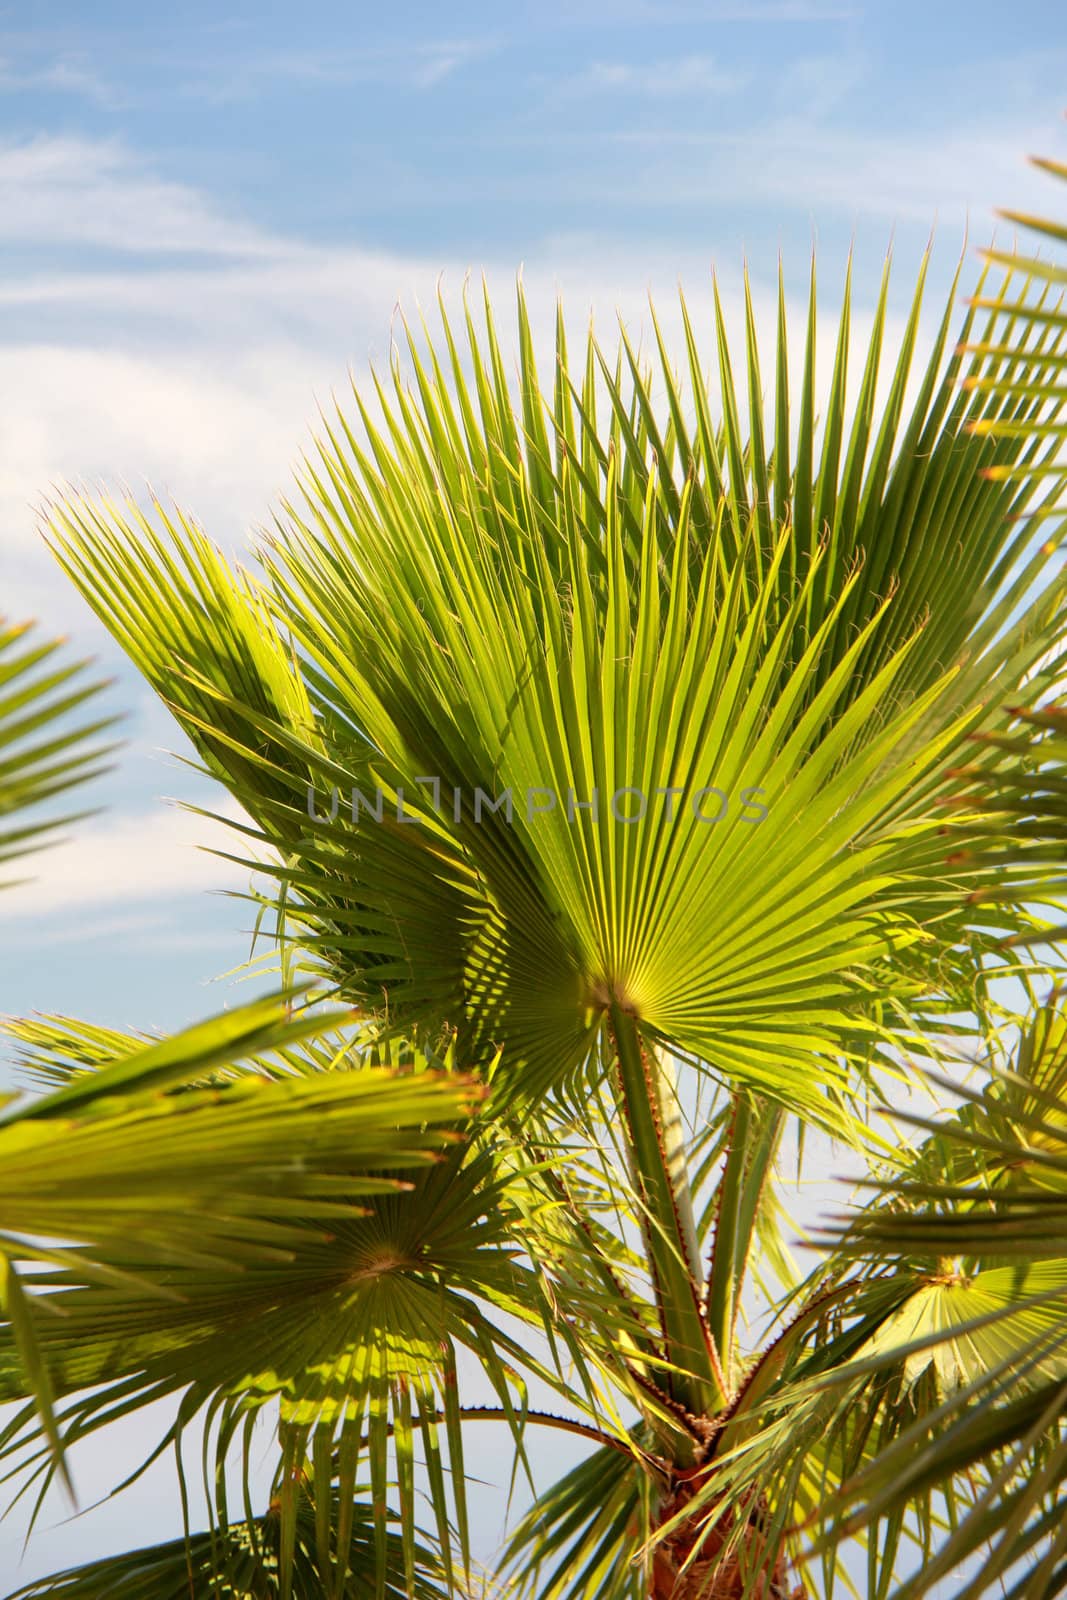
x,y
180,1191
46,746
583,1536
979,1221
243,1562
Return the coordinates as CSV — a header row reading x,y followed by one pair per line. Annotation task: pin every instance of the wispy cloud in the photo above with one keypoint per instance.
x,y
94,192
122,931
678,78
841,171
203,377
155,855
421,66
61,76
435,63
784,11
664,13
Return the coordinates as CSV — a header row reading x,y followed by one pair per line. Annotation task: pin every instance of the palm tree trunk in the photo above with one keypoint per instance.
x,y
660,1177
729,1563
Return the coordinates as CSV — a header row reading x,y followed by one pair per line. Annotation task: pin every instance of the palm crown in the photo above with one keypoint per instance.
x,y
622,769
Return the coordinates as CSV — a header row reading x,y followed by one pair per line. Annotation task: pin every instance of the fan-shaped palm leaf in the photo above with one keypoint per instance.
x,y
547,609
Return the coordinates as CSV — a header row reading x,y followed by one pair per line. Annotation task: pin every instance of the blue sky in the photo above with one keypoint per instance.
x,y
501,131
207,218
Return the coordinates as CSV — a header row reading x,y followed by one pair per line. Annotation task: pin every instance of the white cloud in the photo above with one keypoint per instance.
x,y
915,179
63,76
687,75
203,379
420,65
434,63
212,405
94,192
155,855
216,428
899,177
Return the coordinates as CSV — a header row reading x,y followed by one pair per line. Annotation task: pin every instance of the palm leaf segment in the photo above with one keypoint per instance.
x,y
923,1366
45,750
1028,794
42,752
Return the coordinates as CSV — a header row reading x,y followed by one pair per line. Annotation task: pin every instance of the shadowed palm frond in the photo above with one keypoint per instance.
x,y
243,1562
980,1220
582,1536
1027,793
186,1190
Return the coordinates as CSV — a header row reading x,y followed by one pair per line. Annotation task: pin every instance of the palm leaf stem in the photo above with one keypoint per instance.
x,y
661,1182
752,1144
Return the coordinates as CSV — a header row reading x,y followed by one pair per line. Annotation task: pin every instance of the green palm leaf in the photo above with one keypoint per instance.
x,y
42,752
985,1206
196,1184
1021,359
143,1168
580,1537
242,1562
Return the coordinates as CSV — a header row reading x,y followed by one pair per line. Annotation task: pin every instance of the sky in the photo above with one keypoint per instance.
x,y
208,219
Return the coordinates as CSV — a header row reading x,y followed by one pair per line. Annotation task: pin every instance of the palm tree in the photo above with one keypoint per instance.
x,y
605,753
